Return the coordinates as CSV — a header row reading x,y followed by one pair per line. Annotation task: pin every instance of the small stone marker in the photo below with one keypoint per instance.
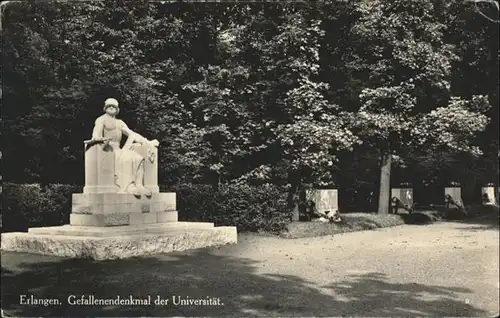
x,y
488,196
402,198
295,214
324,199
453,196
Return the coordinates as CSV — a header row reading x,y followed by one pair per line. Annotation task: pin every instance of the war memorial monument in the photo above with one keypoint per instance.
x,y
121,212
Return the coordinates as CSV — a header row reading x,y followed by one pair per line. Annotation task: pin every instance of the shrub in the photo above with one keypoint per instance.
x,y
195,202
32,205
253,208
248,208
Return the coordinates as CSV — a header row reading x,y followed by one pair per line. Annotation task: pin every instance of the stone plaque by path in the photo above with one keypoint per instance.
x,y
488,196
324,199
295,214
453,197
402,198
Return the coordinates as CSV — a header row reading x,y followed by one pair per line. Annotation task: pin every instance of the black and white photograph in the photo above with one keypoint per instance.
x,y
250,158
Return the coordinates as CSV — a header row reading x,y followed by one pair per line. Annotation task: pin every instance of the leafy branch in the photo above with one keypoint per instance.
x,y
478,10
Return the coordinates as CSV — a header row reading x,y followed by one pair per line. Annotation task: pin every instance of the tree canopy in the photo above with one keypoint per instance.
x,y
329,94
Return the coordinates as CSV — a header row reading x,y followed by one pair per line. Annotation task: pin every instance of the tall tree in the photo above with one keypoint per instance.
x,y
62,60
398,51
265,99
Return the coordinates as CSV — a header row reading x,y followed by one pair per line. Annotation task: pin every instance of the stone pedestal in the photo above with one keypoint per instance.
x,y
401,196
105,224
324,199
101,205
113,209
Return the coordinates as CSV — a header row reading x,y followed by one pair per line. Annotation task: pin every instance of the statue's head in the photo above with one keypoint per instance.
x,y
111,107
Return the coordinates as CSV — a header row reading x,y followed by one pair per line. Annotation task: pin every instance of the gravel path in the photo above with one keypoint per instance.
x,y
443,269
393,271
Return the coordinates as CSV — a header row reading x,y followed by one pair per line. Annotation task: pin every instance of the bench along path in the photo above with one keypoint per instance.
x,y
444,269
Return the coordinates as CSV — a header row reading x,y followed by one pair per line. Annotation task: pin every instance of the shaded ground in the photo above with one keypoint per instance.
x,y
443,269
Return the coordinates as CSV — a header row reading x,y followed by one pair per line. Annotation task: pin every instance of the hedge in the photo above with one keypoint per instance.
x,y
32,205
249,208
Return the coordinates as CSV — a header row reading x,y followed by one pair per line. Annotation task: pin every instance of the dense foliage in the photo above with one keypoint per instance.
x,y
248,208
294,95
32,205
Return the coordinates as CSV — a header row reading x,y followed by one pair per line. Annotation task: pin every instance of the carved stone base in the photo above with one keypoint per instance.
x,y
109,203
101,243
115,209
116,219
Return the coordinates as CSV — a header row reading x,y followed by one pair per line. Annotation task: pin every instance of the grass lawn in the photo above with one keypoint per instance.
x,y
482,215
353,222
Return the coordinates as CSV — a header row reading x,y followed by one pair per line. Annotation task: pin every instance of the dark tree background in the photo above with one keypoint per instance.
x,y
354,94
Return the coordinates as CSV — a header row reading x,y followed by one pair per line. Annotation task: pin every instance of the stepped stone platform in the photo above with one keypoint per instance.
x,y
119,225
103,243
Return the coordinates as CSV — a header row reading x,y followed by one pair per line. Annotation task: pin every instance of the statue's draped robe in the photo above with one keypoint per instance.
x,y
127,161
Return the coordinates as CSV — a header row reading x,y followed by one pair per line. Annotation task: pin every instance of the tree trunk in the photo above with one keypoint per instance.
x,y
385,184
293,194
214,180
